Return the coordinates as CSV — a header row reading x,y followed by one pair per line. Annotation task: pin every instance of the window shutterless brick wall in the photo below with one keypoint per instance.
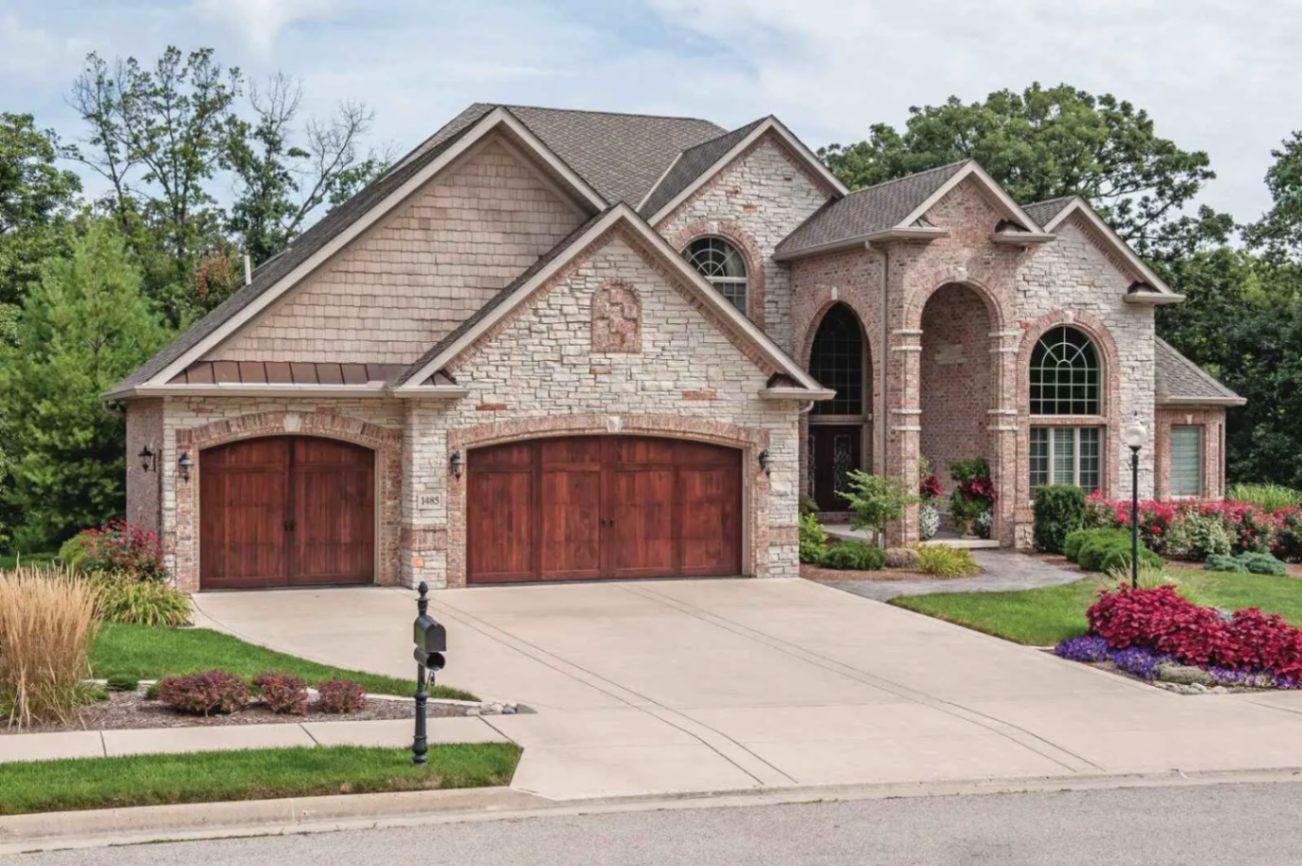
x,y
1211,421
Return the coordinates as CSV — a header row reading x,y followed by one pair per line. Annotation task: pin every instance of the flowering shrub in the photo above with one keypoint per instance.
x,y
282,693
1160,620
975,492
929,488
205,693
1195,530
340,696
117,546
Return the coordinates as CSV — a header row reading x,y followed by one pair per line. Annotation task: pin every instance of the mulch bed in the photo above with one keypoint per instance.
x,y
131,710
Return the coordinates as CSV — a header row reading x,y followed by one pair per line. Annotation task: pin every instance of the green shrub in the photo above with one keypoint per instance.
x,y
1105,550
1267,497
1072,544
1195,536
74,551
1247,563
1059,511
969,469
122,683
123,598
854,556
813,540
807,504
876,500
942,561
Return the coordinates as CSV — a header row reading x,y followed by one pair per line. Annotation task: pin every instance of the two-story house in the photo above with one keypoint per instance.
x,y
563,344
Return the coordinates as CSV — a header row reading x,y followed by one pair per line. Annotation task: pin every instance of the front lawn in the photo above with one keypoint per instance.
x,y
1046,615
150,652
201,777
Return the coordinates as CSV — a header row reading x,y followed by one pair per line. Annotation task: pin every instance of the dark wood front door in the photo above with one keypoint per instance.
x,y
286,511
834,451
602,506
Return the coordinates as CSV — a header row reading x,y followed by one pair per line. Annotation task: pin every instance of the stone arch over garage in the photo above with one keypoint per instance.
x,y
749,441
385,442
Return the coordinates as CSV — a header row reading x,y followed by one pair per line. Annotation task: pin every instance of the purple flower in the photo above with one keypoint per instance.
x,y
1138,661
1086,648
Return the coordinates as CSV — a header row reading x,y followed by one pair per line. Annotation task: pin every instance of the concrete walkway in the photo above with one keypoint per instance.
x,y
690,686
1004,570
223,738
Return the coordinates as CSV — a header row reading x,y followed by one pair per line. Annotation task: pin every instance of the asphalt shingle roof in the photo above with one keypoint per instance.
x,y
1177,379
1043,211
689,166
867,210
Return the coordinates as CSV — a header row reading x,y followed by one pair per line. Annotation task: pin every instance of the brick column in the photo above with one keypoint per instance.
x,y
903,418
1004,348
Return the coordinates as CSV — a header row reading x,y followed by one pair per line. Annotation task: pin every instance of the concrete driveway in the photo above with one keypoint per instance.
x,y
707,685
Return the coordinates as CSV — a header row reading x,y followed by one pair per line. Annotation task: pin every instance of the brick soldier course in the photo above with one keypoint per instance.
x,y
519,276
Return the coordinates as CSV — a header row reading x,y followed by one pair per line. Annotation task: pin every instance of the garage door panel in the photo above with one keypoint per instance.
x,y
571,523
500,530
642,540
711,525
334,528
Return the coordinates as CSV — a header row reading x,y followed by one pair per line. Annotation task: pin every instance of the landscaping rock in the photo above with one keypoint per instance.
x,y
1186,675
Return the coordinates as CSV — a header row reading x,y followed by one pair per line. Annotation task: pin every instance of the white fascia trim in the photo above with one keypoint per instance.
x,y
1079,204
620,213
796,394
1153,299
1202,401
972,169
243,389
487,124
770,124
1022,239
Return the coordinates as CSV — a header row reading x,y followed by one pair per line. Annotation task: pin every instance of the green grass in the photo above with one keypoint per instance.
x,y
10,561
152,652
1046,615
201,777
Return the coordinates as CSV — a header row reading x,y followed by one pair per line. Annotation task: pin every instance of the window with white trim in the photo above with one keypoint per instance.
x,y
1187,461
722,265
1064,374
1067,455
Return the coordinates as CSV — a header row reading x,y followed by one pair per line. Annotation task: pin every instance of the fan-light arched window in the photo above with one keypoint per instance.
x,y
720,263
1064,374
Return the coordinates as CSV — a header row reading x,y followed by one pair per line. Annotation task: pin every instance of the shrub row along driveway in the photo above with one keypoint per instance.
x,y
660,687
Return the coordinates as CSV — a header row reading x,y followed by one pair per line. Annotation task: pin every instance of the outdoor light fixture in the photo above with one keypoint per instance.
x,y
764,461
456,463
146,458
1134,434
183,465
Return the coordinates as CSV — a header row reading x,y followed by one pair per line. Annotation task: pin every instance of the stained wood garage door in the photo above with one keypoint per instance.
x,y
286,511
602,506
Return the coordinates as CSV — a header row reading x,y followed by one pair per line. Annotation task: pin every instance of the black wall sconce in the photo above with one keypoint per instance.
x,y
764,462
184,464
146,456
456,463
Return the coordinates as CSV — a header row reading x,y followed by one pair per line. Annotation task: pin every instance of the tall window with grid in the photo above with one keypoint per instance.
x,y
722,265
837,361
1064,374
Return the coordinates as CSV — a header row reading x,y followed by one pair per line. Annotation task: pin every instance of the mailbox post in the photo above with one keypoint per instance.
x,y
431,640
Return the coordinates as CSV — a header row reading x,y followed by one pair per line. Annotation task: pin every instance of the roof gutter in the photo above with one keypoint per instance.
x,y
1153,299
1202,401
918,234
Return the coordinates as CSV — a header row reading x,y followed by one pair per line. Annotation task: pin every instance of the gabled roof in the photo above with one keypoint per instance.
x,y
866,211
695,167
1044,211
621,155
1177,381
309,250
411,382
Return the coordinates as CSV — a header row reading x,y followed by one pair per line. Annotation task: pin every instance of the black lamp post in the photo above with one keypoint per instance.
x,y
1134,435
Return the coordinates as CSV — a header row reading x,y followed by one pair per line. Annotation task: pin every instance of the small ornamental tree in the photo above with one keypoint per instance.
x,y
876,500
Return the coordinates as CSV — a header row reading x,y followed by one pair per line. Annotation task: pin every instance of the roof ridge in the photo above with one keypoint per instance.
x,y
604,111
903,177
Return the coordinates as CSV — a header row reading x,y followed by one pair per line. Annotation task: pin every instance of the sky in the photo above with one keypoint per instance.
x,y
1223,77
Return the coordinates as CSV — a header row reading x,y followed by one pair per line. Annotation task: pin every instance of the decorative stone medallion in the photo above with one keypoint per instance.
x,y
616,319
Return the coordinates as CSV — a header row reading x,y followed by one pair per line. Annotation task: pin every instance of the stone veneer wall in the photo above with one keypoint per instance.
x,y
144,487
1212,420
194,423
755,202
538,374
420,271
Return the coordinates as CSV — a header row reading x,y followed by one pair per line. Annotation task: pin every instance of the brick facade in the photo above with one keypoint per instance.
x,y
1211,421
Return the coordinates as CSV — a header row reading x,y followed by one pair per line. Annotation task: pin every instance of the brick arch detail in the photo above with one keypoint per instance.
x,y
749,440
994,308
745,244
384,441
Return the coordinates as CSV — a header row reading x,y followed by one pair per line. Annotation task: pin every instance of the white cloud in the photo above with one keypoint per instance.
x,y
258,22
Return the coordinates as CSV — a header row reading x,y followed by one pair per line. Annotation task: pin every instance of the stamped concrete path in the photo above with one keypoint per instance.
x,y
709,685
1002,570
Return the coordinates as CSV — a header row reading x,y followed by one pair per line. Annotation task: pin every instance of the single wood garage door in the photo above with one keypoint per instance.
x,y
602,506
286,511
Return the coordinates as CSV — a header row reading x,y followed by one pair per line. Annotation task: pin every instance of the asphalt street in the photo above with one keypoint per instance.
x,y
1211,824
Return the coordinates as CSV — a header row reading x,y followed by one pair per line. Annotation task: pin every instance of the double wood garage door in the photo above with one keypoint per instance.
x,y
602,506
286,511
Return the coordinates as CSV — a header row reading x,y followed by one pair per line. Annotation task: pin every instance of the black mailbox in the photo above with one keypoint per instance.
x,y
430,635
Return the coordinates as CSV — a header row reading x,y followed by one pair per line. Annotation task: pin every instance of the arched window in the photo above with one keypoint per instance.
x,y
720,263
837,361
1064,374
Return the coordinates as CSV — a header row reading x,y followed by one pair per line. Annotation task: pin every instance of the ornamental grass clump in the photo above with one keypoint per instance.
x,y
939,560
47,622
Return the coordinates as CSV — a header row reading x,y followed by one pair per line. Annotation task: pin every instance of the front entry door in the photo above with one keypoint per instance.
x,y
834,451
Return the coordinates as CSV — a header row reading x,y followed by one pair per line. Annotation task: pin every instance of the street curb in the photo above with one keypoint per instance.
x,y
192,821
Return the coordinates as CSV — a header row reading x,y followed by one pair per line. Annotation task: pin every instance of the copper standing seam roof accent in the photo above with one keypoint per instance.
x,y
285,373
